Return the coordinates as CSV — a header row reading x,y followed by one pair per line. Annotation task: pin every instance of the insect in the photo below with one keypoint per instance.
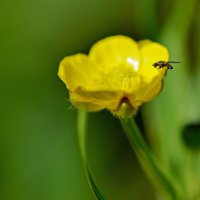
x,y
162,64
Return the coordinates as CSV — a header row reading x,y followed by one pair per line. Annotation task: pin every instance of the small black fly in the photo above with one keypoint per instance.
x,y
162,64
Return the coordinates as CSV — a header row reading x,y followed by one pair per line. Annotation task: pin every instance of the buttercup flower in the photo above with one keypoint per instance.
x,y
116,75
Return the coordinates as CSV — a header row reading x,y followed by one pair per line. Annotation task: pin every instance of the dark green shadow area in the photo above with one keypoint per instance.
x,y
191,136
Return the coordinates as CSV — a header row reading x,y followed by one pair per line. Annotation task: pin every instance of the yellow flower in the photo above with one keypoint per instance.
x,y
116,75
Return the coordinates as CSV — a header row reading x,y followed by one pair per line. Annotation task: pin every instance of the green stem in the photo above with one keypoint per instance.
x,y
82,130
146,158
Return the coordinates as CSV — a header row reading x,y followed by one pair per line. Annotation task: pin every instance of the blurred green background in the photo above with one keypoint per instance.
x,y
39,155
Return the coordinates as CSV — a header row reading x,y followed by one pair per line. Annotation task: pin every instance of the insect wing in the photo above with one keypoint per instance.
x,y
174,62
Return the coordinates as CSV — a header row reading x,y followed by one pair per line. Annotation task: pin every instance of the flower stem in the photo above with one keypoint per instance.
x,y
82,132
147,160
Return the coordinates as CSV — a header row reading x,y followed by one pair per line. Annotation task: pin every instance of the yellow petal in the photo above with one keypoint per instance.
x,y
78,71
119,58
114,50
152,52
145,92
151,78
94,101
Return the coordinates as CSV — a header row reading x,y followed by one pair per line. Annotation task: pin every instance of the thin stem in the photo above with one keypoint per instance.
x,y
82,132
146,158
